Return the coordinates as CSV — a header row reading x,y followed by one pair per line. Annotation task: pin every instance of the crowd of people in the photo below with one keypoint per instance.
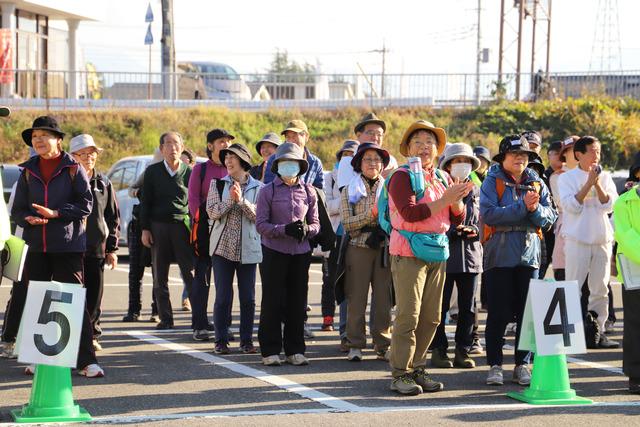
x,y
402,235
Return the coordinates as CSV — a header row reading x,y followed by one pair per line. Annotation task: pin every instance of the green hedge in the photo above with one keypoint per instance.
x,y
616,122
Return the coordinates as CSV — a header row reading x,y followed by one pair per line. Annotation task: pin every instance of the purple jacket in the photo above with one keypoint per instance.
x,y
278,205
68,192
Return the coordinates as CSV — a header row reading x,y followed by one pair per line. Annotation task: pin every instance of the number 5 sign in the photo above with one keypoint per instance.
x,y
552,321
50,328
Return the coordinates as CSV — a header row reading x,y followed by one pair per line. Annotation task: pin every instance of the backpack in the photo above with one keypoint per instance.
x,y
591,329
501,185
200,228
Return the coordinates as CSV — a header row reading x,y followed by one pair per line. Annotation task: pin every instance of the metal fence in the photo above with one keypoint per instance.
x,y
67,90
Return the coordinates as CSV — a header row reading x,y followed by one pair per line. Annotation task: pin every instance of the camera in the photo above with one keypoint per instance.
x,y
598,169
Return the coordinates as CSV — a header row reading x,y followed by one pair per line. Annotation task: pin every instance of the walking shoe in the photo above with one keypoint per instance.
x,y
231,336
355,355
248,348
634,385
462,359
440,359
297,359
521,375
495,376
424,380
92,371
609,327
307,332
272,360
344,345
405,384
453,319
308,308
130,317
9,350
201,335
162,326
154,318
96,345
327,323
210,327
510,329
30,370
221,348
383,354
607,343
186,304
476,347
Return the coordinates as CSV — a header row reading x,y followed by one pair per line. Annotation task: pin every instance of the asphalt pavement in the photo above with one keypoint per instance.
x,y
166,378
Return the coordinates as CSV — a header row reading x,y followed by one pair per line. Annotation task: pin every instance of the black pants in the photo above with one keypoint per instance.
x,y
549,243
285,281
94,282
507,290
329,271
584,300
631,337
138,255
13,312
66,268
170,242
199,295
466,284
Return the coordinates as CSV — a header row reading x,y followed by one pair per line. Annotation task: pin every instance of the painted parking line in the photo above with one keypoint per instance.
x,y
126,285
280,382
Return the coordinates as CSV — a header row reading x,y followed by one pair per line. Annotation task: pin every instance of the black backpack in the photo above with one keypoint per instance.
x,y
591,329
200,228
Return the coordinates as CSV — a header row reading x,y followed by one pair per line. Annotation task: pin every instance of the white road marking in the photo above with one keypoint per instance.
x,y
126,285
280,382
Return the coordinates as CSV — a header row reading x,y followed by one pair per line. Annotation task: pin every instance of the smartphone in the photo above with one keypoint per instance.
x,y
598,169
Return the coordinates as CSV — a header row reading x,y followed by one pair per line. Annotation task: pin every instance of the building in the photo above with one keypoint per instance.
x,y
39,36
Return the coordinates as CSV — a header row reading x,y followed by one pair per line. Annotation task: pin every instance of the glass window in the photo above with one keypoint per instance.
x,y
129,176
116,179
27,21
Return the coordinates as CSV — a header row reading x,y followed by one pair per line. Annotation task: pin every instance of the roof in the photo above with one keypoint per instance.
x,y
61,9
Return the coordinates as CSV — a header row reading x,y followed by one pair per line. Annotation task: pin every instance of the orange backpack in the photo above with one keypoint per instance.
x,y
489,230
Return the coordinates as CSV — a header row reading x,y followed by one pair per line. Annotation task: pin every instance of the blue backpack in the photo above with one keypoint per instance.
x,y
429,247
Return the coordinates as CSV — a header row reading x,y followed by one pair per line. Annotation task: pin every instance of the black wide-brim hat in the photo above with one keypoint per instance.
x,y
47,123
514,144
239,150
356,161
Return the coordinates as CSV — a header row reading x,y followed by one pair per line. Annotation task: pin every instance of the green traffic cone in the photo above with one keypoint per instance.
x,y
51,398
550,384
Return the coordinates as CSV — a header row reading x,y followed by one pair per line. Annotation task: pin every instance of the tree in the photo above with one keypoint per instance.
x,y
283,69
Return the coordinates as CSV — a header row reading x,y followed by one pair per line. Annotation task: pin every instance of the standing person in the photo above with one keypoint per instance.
x,y
478,176
234,245
463,266
139,255
286,218
587,195
366,264
265,147
164,217
515,207
103,229
626,216
329,265
199,182
555,164
418,284
52,201
534,138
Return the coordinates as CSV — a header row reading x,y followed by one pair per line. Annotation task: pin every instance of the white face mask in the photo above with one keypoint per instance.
x,y
460,170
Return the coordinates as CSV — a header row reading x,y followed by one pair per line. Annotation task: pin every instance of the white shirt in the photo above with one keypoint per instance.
x,y
586,222
346,173
171,172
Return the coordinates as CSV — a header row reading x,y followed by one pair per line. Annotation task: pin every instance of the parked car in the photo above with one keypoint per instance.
x,y
123,174
10,175
211,80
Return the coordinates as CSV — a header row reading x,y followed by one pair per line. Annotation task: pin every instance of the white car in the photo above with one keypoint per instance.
x,y
123,174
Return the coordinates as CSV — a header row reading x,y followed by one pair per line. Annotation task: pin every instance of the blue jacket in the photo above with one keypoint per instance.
x,y
513,248
465,255
313,176
68,192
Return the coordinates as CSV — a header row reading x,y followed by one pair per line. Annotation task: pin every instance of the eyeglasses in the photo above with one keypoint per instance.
x,y
374,133
372,161
86,155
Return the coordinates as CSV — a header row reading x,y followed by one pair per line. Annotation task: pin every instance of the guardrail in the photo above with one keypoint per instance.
x,y
53,89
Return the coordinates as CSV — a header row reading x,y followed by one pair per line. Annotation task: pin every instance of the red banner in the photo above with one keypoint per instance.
x,y
6,56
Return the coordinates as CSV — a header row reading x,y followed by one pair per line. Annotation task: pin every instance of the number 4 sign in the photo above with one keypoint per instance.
x,y
49,332
552,321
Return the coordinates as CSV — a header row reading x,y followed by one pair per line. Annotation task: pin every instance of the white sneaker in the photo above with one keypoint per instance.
x,y
297,359
96,345
308,334
92,371
30,370
355,355
495,376
272,360
521,375
9,350
511,328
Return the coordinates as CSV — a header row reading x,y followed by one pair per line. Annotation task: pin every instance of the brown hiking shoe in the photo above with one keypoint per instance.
x,y
462,360
440,359
406,384
424,380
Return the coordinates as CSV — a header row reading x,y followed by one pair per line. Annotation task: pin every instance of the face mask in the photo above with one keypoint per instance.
x,y
460,170
288,168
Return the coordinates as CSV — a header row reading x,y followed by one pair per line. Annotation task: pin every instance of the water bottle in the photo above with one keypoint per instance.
x,y
416,174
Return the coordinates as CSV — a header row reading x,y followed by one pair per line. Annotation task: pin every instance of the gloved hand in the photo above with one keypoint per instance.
x,y
295,229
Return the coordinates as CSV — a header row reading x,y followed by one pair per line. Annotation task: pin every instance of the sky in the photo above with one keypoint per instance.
x,y
428,36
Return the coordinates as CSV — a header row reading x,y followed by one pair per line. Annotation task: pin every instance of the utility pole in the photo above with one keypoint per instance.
x,y
501,44
383,51
519,60
478,55
168,51
534,18
548,36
